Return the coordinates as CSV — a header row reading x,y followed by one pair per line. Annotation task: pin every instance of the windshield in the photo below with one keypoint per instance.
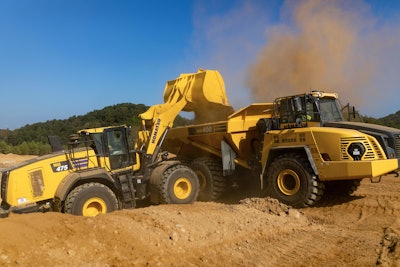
x,y
329,110
306,108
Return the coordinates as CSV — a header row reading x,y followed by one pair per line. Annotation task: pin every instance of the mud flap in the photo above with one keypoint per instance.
x,y
4,213
228,158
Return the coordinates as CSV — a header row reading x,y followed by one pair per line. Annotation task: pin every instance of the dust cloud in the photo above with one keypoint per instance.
x,y
227,36
338,46
266,49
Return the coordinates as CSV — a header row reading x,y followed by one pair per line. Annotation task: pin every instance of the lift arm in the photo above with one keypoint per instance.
x,y
202,92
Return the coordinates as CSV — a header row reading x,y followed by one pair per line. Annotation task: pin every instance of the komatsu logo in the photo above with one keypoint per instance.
x,y
156,126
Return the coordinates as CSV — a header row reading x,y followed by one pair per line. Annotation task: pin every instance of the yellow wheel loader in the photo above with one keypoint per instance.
x,y
104,169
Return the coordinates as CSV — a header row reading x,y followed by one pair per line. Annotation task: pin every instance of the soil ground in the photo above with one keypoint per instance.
x,y
240,230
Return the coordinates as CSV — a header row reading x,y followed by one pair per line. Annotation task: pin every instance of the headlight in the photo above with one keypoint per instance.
x,y
356,151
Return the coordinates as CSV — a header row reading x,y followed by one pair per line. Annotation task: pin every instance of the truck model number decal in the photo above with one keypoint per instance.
x,y
60,166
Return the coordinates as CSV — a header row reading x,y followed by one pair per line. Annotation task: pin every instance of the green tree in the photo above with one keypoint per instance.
x,y
4,147
24,148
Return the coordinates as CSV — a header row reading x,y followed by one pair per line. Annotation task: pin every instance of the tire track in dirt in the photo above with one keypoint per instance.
x,y
369,218
389,253
297,247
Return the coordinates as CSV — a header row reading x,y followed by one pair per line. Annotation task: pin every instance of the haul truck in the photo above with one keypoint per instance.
x,y
104,169
294,145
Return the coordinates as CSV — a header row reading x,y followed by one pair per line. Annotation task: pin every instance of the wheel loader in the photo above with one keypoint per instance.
x,y
299,146
106,169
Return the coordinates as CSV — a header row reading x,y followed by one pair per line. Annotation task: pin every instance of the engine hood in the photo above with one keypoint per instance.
x,y
364,127
388,137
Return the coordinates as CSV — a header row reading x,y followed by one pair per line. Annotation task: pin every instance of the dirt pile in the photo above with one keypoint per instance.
x,y
7,160
175,235
361,230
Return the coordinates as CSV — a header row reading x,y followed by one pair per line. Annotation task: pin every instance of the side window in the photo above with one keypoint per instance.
x,y
97,144
286,110
312,111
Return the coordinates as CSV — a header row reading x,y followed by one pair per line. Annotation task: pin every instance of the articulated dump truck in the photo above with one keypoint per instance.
x,y
298,146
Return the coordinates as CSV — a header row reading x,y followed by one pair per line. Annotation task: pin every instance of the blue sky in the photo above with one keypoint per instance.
x,y
64,58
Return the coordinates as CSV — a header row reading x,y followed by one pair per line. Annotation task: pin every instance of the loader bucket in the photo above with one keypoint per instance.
x,y
205,95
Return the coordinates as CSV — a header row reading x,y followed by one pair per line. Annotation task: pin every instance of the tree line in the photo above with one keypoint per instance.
x,y
32,139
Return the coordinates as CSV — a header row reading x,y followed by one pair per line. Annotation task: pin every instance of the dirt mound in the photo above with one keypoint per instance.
x,y
10,159
268,205
170,235
242,230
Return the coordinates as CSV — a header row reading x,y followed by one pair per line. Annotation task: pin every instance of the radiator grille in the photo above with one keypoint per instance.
x,y
376,148
397,143
371,151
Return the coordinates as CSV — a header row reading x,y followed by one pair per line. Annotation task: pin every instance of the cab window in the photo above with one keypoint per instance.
x,y
329,110
117,149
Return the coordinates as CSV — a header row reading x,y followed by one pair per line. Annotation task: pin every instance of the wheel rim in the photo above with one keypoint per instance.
x,y
94,206
182,188
288,182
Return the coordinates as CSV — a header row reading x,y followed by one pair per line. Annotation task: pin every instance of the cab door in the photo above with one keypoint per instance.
x,y
117,148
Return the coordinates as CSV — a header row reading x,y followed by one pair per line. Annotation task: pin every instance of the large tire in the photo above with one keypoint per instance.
x,y
178,185
212,182
290,180
91,199
341,188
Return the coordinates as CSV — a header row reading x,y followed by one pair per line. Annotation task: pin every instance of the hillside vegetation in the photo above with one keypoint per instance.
x,y
31,139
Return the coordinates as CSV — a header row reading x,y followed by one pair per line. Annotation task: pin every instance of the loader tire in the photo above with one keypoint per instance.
x,y
342,188
178,185
290,180
212,182
91,199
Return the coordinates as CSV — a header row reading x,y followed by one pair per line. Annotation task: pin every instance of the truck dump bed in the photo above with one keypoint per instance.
x,y
239,131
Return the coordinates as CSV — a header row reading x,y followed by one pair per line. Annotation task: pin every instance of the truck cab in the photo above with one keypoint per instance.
x,y
324,109
305,110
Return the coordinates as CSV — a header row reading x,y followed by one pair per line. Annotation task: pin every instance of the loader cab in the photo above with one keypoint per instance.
x,y
113,146
117,148
307,110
